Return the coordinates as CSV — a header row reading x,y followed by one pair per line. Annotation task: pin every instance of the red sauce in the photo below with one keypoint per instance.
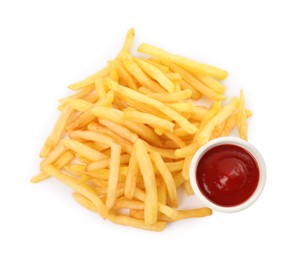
x,y
227,175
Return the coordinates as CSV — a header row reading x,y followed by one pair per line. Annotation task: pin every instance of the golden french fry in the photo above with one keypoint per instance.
x,y
81,188
139,75
149,119
156,74
167,177
147,171
242,118
105,163
137,223
84,150
223,114
184,62
131,177
194,82
57,132
114,175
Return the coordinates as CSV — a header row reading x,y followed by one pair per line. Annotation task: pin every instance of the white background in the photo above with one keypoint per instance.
x,y
46,45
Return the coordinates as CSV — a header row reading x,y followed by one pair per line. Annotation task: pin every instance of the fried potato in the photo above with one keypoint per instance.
x,y
125,139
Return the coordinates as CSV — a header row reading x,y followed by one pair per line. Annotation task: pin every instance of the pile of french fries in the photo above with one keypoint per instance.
x,y
125,139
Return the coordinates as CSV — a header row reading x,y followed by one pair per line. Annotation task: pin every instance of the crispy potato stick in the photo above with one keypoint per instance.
x,y
186,165
90,80
166,153
194,82
147,171
198,112
215,107
114,175
54,154
124,74
184,62
139,75
126,145
181,107
242,118
159,66
131,177
81,188
162,193
113,71
156,74
62,161
117,116
190,213
212,83
130,204
175,166
178,179
167,177
84,150
99,86
137,223
81,95
175,139
170,97
223,114
80,105
188,188
149,119
187,150
83,201
105,163
57,132
127,44
195,93
229,125
175,77
92,136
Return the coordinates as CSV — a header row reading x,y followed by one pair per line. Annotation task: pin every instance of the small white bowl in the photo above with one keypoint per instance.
x,y
234,141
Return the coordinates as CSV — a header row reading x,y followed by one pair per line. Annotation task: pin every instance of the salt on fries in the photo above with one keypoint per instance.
x,y
125,139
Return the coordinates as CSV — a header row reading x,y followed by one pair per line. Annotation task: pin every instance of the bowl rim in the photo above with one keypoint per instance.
x,y
234,141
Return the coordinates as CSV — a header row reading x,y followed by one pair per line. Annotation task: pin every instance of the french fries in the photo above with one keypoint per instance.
x,y
126,138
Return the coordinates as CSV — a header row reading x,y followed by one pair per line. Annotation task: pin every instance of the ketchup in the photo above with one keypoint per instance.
x,y
227,175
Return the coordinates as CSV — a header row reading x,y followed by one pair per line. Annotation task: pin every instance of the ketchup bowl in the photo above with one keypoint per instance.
x,y
227,174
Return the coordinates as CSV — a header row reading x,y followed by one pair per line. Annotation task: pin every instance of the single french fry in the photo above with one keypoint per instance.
x,y
170,97
215,107
92,136
195,93
212,83
162,194
156,74
188,188
80,105
186,165
167,177
81,188
137,223
124,74
242,118
126,145
105,163
223,114
130,204
187,150
127,44
149,119
114,175
190,213
147,171
131,177
184,62
175,139
175,166
194,82
89,81
132,67
83,201
57,132
84,150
